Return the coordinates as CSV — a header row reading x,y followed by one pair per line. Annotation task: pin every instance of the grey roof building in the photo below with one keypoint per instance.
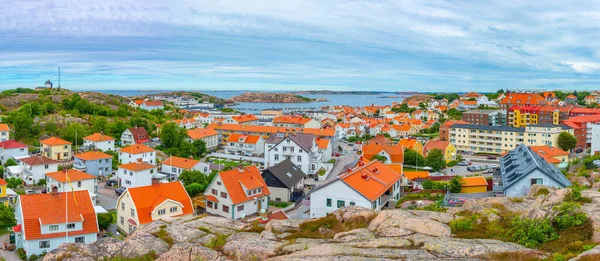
x,y
521,168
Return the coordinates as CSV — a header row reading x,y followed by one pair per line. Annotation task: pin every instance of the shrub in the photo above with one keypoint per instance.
x,y
531,232
463,224
542,191
104,220
279,204
569,215
217,242
41,182
162,234
21,253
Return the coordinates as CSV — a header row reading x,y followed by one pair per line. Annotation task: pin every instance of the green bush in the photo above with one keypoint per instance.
x,y
568,215
194,189
104,220
21,253
531,232
41,182
463,224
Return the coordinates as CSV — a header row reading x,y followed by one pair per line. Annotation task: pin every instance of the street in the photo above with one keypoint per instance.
x,y
106,197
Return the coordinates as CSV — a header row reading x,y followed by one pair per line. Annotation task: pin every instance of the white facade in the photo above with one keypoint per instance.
x,y
232,211
131,179
308,161
107,145
173,170
6,154
521,187
338,193
88,184
245,149
484,100
127,138
211,141
4,135
595,138
148,157
32,174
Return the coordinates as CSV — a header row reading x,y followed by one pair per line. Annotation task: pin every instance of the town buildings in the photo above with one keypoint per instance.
x,y
208,135
45,221
4,132
285,181
137,174
485,117
69,180
141,205
93,162
448,149
237,193
152,105
32,169
133,153
244,145
12,149
302,149
174,166
295,122
476,184
246,119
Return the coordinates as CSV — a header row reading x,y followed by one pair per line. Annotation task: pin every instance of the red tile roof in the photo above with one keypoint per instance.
x,y
243,138
322,143
147,198
54,141
396,152
523,98
371,179
290,120
92,155
137,149
411,175
4,127
98,137
48,209
12,144
244,118
73,174
139,134
435,144
137,166
200,133
249,177
179,162
153,103
38,160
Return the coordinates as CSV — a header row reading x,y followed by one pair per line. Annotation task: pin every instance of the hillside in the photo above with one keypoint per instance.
x,y
270,97
417,98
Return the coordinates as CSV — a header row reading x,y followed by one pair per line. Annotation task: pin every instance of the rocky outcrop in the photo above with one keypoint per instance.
x,y
270,97
592,252
390,235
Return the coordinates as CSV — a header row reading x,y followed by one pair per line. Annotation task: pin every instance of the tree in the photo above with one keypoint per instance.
x,y
435,159
413,158
7,216
200,146
455,185
100,124
22,124
566,141
380,158
104,220
14,182
73,130
10,162
194,189
169,135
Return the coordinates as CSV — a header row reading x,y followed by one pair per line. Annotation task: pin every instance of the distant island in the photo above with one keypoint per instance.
x,y
272,97
328,92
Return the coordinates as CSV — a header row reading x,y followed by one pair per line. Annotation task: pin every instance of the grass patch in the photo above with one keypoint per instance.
x,y
162,234
331,226
256,227
516,200
217,242
204,229
512,256
542,192
279,204
593,257
147,257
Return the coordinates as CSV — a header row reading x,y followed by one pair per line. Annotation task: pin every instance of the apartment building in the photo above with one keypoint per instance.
x,y
499,139
485,117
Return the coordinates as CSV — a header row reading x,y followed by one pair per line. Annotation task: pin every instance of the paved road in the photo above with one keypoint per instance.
x,y
106,197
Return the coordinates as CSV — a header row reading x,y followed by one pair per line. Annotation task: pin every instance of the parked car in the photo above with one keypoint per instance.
x,y
111,183
491,157
343,152
579,151
464,163
119,191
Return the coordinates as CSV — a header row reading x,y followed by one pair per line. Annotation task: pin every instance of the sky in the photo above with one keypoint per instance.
x,y
429,46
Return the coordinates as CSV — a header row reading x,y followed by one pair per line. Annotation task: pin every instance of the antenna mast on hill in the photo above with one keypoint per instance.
x,y
59,78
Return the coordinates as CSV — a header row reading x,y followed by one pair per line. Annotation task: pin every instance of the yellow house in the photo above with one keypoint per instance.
x,y
142,205
6,198
447,148
474,184
412,144
56,148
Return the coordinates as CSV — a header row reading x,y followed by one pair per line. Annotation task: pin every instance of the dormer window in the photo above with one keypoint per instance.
x,y
71,226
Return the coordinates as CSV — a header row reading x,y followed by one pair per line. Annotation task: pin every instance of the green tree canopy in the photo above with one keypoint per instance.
x,y
566,141
455,185
413,158
435,159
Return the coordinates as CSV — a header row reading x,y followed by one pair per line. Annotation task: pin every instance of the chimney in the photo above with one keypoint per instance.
x,y
190,157
241,168
139,160
155,181
55,191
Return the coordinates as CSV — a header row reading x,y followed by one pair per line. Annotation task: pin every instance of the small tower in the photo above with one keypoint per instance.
x,y
48,84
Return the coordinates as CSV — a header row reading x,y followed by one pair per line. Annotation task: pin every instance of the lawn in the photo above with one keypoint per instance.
x,y
229,163
428,135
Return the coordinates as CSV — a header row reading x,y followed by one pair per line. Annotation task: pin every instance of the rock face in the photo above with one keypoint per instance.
x,y
270,97
390,235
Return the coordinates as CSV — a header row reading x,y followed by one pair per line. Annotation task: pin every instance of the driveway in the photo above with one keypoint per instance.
x,y
106,197
7,255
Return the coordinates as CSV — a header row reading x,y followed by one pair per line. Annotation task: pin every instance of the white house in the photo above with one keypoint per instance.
x,y
136,174
204,118
237,193
521,168
152,105
210,137
4,132
188,123
132,153
301,149
135,135
77,180
244,145
100,141
246,119
32,169
485,101
173,166
42,223
371,185
139,206
325,148
12,149
295,122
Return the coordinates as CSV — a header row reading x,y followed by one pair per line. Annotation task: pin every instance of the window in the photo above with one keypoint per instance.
x,y
128,182
133,212
214,192
341,203
151,171
276,157
299,158
46,167
173,169
223,195
225,208
122,221
537,181
79,184
209,204
329,202
45,244
240,208
80,240
352,203
71,226
162,211
53,228
219,183
173,209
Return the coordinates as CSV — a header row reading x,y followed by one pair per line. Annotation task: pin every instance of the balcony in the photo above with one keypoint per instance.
x,y
289,152
79,166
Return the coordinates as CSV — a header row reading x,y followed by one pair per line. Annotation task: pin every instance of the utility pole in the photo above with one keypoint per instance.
x,y
59,78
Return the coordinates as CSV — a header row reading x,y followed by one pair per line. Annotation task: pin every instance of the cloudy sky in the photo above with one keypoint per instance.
x,y
301,44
